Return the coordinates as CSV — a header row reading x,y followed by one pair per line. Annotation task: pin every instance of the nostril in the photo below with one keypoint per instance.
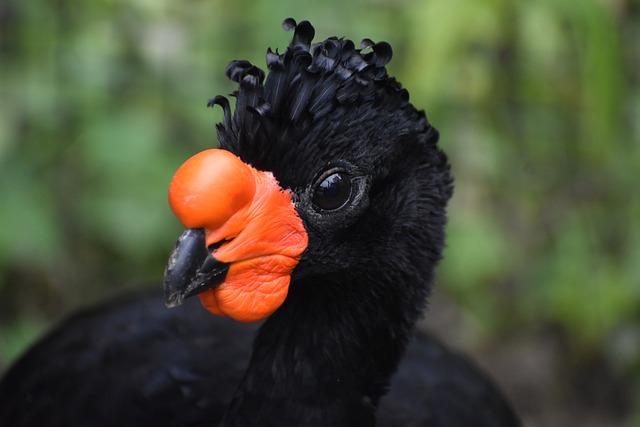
x,y
214,246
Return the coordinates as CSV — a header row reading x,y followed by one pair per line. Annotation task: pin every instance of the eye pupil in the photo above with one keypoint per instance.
x,y
333,192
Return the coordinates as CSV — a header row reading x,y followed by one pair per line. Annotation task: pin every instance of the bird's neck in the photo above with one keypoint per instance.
x,y
325,357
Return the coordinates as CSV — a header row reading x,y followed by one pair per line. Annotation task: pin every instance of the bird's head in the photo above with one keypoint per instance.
x,y
325,172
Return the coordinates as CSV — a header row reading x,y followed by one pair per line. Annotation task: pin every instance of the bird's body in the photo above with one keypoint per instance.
x,y
330,230
186,365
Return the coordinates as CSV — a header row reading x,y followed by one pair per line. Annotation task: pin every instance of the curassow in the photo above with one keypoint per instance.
x,y
323,212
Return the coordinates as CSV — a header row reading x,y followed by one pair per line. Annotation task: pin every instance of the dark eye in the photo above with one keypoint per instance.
x,y
333,192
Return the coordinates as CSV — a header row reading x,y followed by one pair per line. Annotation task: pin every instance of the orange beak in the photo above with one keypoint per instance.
x,y
244,237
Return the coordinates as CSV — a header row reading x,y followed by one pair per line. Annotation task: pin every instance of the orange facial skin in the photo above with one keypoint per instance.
x,y
261,233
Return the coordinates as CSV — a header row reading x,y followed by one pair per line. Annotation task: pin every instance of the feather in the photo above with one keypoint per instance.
x,y
304,84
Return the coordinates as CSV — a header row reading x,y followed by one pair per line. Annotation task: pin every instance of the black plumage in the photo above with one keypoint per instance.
x,y
327,355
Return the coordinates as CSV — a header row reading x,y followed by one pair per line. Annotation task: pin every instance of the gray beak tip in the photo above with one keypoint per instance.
x,y
191,269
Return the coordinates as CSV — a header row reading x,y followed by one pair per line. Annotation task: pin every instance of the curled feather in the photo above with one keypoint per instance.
x,y
304,84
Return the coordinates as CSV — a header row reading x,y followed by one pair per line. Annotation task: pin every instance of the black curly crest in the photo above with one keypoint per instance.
x,y
303,85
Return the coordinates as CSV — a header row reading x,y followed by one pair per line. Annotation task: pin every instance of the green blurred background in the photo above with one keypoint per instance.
x,y
538,105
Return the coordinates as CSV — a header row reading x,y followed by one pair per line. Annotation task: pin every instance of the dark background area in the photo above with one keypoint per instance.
x,y
538,105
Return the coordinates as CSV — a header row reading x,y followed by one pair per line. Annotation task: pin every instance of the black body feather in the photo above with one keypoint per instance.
x,y
132,362
327,356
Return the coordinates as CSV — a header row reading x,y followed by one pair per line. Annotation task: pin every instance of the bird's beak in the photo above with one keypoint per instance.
x,y
243,238
191,268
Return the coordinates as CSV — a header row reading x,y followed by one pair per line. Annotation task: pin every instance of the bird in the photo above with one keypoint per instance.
x,y
312,234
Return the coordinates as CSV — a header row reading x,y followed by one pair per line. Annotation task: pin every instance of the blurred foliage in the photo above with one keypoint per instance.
x,y
537,101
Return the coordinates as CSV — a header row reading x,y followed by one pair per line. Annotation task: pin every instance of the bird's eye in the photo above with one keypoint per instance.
x,y
333,192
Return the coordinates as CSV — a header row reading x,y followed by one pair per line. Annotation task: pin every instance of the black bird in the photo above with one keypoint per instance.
x,y
323,212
